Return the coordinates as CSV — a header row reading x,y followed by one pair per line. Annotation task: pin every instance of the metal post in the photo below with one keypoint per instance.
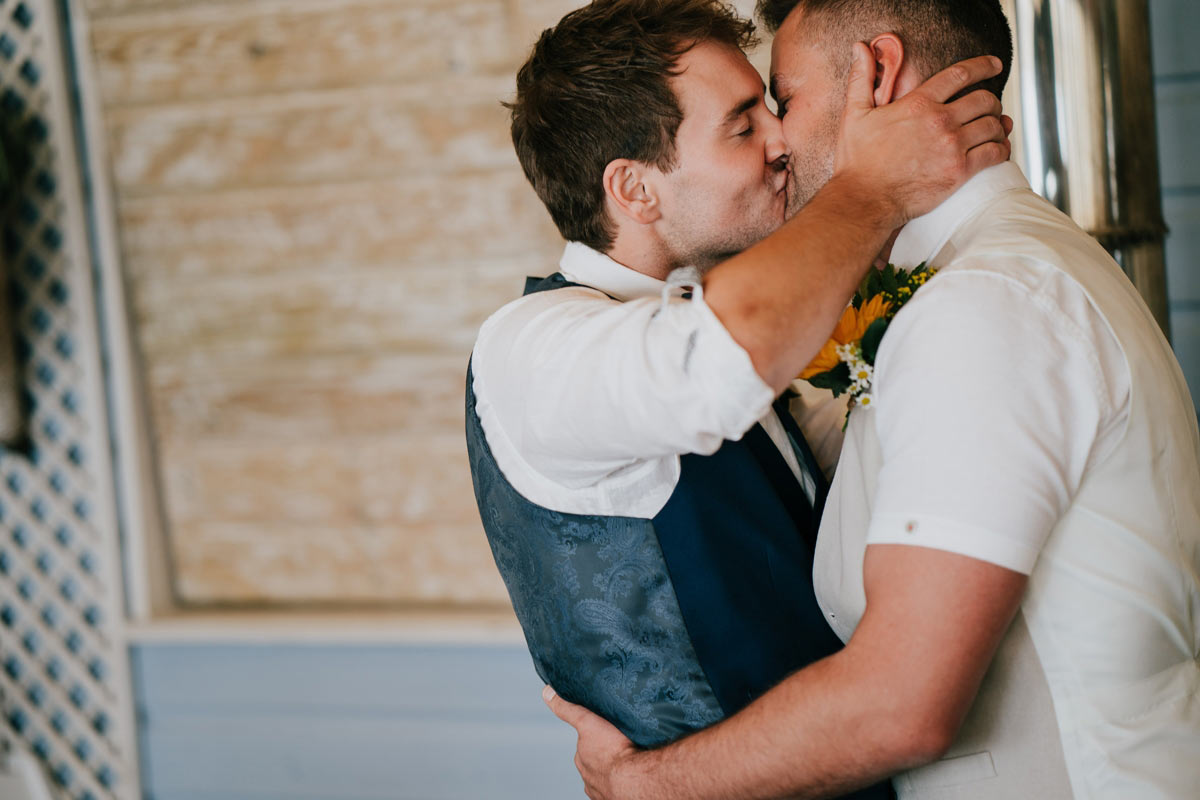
x,y
1088,142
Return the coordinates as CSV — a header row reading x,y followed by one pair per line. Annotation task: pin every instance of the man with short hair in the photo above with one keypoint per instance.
x,y
651,508
1011,546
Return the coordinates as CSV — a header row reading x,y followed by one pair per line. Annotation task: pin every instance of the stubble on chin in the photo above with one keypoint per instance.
x,y
724,244
804,183
812,165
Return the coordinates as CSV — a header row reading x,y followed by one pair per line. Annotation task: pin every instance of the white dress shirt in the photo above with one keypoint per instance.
x,y
1028,413
997,387
589,396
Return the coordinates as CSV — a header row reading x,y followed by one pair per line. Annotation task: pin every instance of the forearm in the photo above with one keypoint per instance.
x,y
781,298
824,731
893,699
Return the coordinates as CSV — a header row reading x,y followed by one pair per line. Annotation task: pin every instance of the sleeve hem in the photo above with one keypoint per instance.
x,y
923,530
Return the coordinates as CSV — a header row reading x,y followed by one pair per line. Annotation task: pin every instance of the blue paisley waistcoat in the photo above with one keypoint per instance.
x,y
667,625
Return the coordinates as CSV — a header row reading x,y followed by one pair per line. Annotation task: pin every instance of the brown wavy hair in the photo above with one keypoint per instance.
x,y
597,88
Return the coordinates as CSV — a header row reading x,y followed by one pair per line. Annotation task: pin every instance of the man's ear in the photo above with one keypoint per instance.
x,y
888,52
631,191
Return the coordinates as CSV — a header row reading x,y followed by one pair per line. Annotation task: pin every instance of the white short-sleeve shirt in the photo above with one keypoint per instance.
x,y
1029,414
995,387
993,399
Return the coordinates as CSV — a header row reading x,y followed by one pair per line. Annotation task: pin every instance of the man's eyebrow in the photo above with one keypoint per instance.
x,y
739,109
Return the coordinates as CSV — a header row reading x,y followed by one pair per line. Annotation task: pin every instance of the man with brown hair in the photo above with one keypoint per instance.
x,y
650,506
596,102
1011,546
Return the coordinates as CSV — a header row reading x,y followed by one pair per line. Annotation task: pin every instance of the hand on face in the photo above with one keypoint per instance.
x,y
917,150
602,753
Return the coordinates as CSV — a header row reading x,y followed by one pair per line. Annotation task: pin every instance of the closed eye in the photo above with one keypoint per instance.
x,y
746,134
782,109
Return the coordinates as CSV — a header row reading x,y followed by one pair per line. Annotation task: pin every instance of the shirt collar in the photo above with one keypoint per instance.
x,y
923,238
583,265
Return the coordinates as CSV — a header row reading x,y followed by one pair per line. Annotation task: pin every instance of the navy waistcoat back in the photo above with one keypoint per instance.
x,y
665,625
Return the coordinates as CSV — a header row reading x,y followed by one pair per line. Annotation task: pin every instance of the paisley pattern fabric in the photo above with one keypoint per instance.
x,y
597,607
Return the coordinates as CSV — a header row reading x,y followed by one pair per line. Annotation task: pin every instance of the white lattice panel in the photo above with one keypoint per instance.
x,y
63,670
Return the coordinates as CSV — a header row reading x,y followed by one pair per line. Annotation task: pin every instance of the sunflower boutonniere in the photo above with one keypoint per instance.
x,y
847,361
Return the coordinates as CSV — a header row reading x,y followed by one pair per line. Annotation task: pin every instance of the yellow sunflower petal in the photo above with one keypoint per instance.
x,y
844,332
826,360
875,308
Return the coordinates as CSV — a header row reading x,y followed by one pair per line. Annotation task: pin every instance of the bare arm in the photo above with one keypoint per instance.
x,y
894,698
781,298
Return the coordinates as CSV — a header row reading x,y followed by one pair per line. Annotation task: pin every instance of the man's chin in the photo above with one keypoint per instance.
x,y
713,259
796,200
801,192
749,238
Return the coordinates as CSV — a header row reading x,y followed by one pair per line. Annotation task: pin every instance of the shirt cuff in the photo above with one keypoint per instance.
x,y
953,536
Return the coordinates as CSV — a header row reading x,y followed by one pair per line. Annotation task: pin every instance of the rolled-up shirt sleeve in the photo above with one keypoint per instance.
x,y
988,405
583,386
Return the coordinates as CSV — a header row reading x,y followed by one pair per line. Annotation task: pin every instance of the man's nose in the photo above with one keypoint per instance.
x,y
777,151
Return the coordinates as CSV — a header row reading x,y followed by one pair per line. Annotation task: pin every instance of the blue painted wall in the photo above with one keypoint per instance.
x,y
1175,28
347,722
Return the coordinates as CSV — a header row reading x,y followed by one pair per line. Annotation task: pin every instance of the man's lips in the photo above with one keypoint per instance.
x,y
782,191
784,176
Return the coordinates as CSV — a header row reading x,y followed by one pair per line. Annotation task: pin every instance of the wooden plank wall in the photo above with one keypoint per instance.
x,y
318,205
1176,24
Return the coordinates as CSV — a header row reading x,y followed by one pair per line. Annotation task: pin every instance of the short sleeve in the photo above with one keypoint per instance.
x,y
989,401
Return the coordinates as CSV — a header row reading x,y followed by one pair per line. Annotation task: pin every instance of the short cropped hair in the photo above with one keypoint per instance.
x,y
597,88
936,33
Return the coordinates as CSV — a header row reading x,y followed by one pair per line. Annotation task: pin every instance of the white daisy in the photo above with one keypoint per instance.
x,y
861,373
